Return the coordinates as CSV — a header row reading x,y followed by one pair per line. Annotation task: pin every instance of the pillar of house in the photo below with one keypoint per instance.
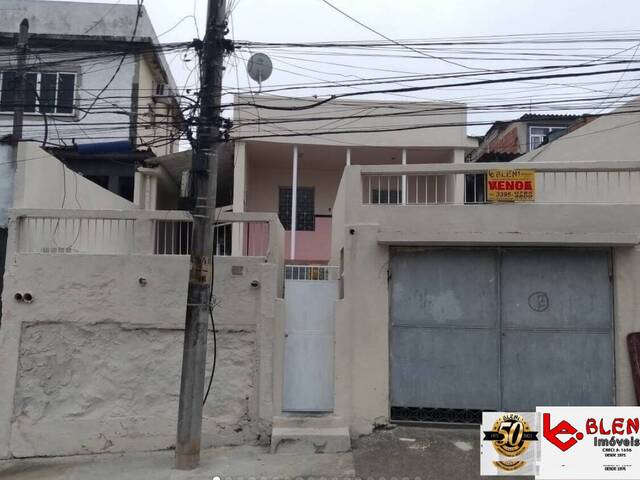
x,y
239,196
404,178
458,181
294,203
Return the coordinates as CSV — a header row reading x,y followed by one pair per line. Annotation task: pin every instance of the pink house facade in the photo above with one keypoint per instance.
x,y
290,161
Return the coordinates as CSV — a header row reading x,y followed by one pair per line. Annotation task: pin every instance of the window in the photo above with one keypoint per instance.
x,y
385,196
125,187
102,180
475,188
46,92
538,135
305,210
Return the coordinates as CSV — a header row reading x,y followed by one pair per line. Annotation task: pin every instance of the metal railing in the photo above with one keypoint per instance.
x,y
102,232
311,272
172,237
142,232
557,183
49,234
254,239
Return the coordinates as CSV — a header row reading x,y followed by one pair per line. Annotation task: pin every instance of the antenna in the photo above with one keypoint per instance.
x,y
259,68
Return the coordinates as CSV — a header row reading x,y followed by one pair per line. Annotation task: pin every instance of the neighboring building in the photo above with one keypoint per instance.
x,y
275,141
74,51
506,140
612,137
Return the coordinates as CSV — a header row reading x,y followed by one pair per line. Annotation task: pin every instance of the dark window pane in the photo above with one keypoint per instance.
x,y
102,180
30,85
66,92
305,211
8,91
385,196
125,187
48,92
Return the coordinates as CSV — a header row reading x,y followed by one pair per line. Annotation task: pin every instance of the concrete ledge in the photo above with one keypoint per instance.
x,y
408,238
310,440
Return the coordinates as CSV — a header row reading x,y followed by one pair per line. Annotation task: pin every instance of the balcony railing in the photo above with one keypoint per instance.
x,y
102,232
311,272
556,183
142,232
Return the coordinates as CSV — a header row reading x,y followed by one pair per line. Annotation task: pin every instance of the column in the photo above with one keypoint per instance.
x,y
404,178
239,188
458,180
294,202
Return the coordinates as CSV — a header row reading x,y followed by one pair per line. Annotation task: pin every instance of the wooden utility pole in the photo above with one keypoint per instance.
x,y
18,107
204,173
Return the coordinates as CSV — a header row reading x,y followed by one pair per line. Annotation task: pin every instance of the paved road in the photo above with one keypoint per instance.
x,y
402,452
419,452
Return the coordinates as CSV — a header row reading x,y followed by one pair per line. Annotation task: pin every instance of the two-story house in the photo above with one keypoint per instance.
x,y
290,161
99,93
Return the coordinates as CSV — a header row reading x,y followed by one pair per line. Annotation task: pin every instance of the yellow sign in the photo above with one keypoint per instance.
x,y
511,185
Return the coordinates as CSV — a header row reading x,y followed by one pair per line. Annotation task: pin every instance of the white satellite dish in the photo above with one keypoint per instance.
x,y
259,67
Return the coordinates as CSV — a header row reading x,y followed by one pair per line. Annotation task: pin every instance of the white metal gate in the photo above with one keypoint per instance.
x,y
308,345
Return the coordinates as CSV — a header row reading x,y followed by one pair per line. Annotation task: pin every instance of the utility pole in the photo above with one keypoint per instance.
x,y
18,108
204,173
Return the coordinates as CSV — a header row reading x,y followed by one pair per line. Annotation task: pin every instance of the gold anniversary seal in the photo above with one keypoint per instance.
x,y
510,437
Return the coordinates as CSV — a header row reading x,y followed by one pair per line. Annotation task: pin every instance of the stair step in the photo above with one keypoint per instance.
x,y
310,439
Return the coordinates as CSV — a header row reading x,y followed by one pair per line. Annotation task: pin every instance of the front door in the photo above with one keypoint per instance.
x,y
308,345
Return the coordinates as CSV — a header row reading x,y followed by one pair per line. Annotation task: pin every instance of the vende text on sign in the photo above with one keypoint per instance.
x,y
511,185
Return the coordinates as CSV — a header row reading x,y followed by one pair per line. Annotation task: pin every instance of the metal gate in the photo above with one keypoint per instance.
x,y
499,329
308,344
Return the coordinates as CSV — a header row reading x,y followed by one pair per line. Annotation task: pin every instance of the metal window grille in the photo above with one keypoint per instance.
x,y
305,209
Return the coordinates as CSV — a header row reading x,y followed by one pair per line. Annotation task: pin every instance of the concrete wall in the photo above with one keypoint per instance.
x,y
42,180
365,232
92,77
608,138
93,364
422,113
7,178
60,17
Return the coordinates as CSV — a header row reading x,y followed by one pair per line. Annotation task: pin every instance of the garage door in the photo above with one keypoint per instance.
x,y
500,329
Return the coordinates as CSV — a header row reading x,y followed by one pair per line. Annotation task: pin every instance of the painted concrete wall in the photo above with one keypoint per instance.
x,y
263,195
378,119
365,232
607,138
91,79
41,181
93,364
69,18
7,179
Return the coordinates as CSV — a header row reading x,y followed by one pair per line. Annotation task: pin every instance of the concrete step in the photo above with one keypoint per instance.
x,y
310,439
298,421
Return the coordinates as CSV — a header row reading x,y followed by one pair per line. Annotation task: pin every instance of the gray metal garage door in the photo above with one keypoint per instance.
x,y
500,329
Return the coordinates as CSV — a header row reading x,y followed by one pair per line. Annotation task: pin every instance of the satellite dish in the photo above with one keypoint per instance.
x,y
259,67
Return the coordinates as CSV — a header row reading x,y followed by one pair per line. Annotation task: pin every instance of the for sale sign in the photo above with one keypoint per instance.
x,y
511,185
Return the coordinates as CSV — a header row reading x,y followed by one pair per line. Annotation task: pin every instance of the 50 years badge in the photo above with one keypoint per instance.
x,y
510,436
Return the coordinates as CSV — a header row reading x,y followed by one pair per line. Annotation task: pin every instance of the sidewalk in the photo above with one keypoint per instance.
x,y
225,462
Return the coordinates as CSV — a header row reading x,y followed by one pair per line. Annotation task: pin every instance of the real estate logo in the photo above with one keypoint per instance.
x,y
510,436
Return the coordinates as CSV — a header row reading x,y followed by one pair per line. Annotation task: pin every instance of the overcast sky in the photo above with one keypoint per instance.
x,y
313,20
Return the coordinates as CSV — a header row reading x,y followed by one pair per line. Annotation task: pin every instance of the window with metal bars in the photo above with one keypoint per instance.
x,y
305,209
45,92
